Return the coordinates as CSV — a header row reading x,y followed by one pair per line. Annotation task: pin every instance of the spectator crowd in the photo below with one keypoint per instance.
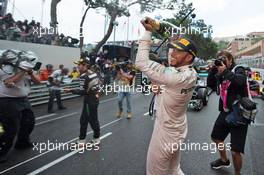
x,y
32,32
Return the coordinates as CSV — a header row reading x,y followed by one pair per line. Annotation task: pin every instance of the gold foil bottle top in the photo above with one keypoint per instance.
x,y
161,28
155,24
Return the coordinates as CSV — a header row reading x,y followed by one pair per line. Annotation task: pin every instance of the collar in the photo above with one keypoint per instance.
x,y
183,67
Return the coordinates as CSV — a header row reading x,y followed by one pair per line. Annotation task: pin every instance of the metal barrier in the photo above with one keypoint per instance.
x,y
39,94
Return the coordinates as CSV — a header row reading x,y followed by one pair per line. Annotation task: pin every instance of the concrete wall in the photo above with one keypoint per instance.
x,y
47,54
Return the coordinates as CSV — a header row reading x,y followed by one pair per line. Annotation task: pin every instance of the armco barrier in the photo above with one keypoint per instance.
x,y
39,94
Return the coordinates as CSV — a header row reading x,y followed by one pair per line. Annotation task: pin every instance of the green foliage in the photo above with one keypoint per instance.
x,y
121,7
118,8
200,32
222,45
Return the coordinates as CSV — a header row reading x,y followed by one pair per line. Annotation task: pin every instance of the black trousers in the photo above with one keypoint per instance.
x,y
52,95
238,133
16,117
89,115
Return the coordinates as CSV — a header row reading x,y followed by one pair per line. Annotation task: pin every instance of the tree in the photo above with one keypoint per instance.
x,y
196,30
118,8
222,45
115,9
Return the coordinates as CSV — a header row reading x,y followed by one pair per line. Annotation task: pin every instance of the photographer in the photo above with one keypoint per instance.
x,y
125,81
171,123
233,85
16,114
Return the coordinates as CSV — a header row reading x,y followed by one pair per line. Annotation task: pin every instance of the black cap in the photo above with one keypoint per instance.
x,y
82,61
184,44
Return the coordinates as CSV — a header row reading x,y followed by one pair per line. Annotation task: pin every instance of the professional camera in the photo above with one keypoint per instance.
x,y
12,60
219,61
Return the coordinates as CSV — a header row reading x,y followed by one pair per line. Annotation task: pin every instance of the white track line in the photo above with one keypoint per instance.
x,y
57,118
45,116
257,124
107,100
28,160
50,115
45,167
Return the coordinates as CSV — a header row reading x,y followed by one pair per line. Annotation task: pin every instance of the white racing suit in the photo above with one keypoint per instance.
x,y
170,128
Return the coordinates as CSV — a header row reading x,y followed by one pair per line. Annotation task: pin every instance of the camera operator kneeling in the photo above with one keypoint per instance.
x,y
16,115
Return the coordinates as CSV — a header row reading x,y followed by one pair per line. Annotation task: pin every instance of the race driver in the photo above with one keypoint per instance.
x,y
178,79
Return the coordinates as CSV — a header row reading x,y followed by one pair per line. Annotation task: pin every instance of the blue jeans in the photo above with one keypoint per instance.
x,y
121,96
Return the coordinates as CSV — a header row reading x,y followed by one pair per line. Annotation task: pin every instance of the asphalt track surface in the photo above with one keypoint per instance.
x,y
124,144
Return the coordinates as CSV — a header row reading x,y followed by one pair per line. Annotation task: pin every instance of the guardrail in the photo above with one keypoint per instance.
x,y
39,94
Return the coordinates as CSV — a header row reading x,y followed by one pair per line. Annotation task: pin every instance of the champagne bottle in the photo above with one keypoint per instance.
x,y
163,29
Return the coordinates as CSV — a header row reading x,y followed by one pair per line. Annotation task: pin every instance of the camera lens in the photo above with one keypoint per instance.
x,y
218,62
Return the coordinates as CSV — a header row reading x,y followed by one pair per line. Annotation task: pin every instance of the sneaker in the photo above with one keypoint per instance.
x,y
119,114
217,164
95,142
80,144
129,115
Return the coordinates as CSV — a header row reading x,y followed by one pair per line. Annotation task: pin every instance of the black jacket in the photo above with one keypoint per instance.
x,y
237,88
90,87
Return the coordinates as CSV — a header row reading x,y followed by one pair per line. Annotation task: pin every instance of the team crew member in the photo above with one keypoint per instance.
x,y
16,115
171,123
90,81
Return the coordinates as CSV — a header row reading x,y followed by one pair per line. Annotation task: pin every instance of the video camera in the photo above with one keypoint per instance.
x,y
121,65
12,60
